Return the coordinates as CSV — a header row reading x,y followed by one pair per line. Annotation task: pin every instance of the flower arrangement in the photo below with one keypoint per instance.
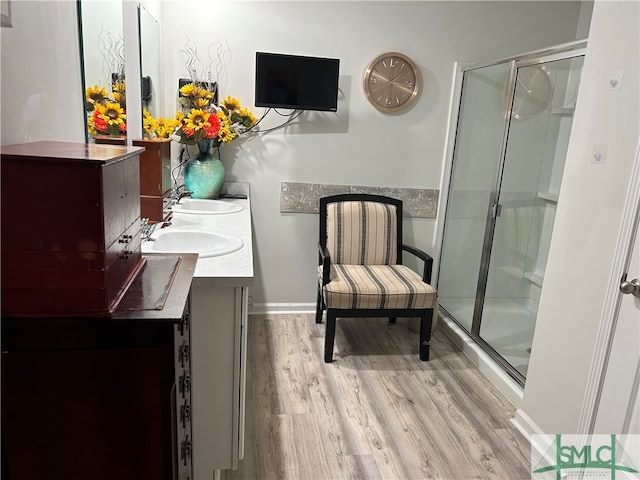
x,y
107,113
201,119
160,127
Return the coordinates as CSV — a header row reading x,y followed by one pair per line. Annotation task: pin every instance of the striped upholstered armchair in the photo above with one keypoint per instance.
x,y
360,272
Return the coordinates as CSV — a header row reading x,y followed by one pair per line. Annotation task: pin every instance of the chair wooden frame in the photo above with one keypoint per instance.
x,y
425,314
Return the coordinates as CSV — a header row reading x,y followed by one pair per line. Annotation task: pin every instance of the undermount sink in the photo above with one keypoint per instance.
x,y
206,244
198,206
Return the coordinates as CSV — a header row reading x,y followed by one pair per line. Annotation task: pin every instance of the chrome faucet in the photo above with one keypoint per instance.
x,y
176,196
146,230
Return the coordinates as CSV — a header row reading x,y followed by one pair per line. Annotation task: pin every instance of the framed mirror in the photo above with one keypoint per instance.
x,y
150,63
102,56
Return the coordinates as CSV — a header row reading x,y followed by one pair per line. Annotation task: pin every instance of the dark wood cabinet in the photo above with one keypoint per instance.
x,y
155,178
70,227
103,398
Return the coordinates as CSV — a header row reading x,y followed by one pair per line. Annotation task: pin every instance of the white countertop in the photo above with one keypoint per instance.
x,y
231,270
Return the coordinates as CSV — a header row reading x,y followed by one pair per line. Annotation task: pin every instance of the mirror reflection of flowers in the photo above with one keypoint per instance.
x,y
160,127
106,112
201,119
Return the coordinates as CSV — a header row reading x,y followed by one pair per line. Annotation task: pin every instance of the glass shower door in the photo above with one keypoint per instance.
x,y
542,114
477,153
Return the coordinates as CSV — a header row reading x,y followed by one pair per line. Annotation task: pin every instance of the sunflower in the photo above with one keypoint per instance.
x,y
200,102
149,124
96,94
119,86
203,93
196,119
120,97
112,113
248,118
163,127
188,90
222,116
231,103
226,135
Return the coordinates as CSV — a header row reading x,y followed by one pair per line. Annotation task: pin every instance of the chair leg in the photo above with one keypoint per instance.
x,y
425,334
319,306
329,336
392,320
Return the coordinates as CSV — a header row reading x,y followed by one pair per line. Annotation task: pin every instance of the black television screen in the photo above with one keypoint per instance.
x,y
296,82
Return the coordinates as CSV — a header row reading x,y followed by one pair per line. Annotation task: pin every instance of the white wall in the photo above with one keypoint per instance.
x,y
588,221
357,145
41,97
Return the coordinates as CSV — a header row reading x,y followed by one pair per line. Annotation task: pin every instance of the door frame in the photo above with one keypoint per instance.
x,y
611,309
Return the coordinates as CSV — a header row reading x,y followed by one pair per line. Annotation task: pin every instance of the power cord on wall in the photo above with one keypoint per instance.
x,y
292,116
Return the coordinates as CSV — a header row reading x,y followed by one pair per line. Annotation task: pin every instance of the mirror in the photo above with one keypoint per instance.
x,y
102,48
150,63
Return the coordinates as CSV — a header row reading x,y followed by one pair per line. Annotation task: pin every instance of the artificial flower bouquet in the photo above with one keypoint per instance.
x,y
201,119
106,113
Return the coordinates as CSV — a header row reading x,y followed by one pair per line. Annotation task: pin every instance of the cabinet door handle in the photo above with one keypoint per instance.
x,y
185,450
185,414
184,323
185,384
184,354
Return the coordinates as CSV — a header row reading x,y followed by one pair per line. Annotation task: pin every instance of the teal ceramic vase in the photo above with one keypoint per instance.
x,y
204,174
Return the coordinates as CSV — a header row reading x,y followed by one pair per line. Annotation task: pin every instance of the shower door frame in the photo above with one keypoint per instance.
x,y
559,52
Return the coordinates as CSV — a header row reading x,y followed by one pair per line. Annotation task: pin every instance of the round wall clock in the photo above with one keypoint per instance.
x,y
534,92
391,82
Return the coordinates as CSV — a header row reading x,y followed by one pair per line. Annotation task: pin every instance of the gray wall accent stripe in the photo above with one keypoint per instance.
x,y
304,197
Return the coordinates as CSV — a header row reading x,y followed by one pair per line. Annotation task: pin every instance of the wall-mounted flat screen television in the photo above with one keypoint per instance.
x,y
296,82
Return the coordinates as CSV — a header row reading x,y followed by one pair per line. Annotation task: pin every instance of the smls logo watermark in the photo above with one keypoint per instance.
x,y
573,457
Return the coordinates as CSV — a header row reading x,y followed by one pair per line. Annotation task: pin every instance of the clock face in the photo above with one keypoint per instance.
x,y
533,92
391,82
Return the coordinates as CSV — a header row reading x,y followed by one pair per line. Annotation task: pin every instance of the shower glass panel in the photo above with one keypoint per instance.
x,y
477,154
543,103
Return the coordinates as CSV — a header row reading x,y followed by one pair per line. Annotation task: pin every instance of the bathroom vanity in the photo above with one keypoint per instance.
x,y
219,308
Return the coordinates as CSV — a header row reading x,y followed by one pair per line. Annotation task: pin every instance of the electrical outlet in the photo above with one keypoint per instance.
x,y
599,154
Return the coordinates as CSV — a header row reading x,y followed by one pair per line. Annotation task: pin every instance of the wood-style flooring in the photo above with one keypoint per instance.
x,y
376,412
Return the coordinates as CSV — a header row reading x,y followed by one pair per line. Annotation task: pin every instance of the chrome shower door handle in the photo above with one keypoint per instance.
x,y
630,287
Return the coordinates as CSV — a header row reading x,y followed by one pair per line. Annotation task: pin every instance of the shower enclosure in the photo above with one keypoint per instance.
x,y
513,127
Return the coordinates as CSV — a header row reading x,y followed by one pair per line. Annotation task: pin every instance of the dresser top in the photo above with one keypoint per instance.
x,y
43,150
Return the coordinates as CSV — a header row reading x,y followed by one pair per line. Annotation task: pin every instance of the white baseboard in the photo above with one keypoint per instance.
x,y
496,375
527,427
281,308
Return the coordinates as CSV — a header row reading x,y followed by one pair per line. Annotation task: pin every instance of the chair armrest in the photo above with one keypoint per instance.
x,y
425,257
325,261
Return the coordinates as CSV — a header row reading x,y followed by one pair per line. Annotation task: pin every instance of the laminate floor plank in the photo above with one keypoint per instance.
x,y
376,412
